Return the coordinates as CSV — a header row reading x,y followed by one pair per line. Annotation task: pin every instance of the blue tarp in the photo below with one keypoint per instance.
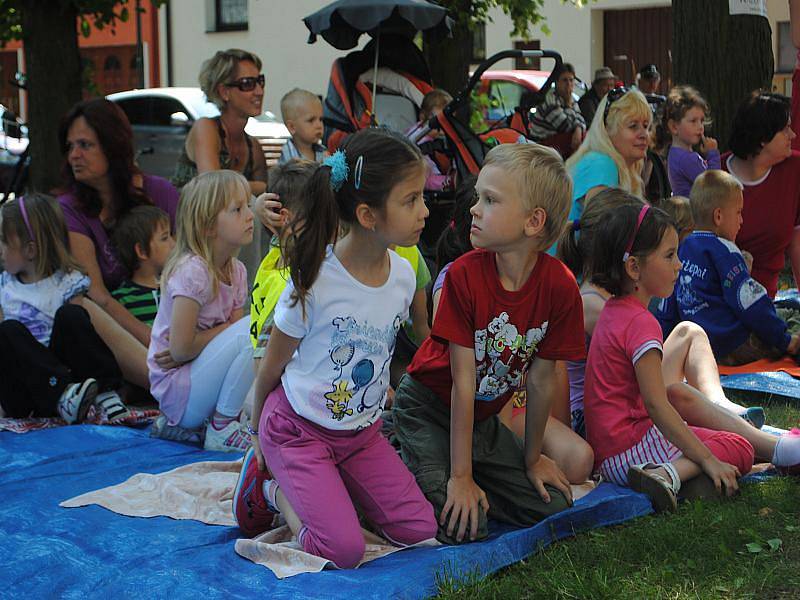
x,y
776,382
48,551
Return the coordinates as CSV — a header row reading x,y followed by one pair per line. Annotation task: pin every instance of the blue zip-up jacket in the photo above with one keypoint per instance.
x,y
715,290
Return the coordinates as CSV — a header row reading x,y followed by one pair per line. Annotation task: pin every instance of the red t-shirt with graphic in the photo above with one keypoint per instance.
x,y
506,329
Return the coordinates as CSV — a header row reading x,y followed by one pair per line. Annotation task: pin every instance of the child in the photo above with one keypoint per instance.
x,y
715,289
687,353
53,361
302,113
207,371
321,386
507,309
683,120
634,420
439,176
287,181
143,241
678,208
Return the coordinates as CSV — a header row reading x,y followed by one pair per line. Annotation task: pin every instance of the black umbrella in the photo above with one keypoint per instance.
x,y
342,23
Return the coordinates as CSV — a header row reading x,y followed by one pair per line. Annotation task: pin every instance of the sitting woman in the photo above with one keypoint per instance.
x,y
100,184
232,80
558,121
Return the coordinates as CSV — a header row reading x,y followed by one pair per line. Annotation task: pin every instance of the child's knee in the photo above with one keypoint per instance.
x,y
542,510
680,396
345,551
581,462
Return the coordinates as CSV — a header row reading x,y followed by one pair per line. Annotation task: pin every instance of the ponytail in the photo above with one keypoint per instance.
x,y
569,252
313,228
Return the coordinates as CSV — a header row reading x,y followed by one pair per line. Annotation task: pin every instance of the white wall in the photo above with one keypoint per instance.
x,y
276,34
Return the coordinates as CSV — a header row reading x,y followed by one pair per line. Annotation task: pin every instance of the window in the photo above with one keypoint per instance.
x,y
230,15
478,43
163,108
527,63
504,97
137,110
112,74
786,50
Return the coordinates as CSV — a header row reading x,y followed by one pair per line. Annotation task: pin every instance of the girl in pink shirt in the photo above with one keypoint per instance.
x,y
658,439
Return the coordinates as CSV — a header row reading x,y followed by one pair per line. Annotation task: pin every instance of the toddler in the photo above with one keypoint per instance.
x,y
302,114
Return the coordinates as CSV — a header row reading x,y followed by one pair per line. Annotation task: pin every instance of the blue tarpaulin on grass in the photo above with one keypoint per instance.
x,y
48,551
775,382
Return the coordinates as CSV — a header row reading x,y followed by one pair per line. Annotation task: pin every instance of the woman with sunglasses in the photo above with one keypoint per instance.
x,y
613,152
100,183
232,80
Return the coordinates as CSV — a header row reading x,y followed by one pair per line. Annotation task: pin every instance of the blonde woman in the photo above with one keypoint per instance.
x,y
200,320
613,152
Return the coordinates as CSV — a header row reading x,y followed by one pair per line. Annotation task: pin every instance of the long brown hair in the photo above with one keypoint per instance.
x,y
45,227
680,100
115,135
386,158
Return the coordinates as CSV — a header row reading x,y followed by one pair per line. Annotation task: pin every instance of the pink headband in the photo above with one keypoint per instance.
x,y
25,217
642,213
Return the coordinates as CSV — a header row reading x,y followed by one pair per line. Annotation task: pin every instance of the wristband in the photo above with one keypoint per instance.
x,y
251,431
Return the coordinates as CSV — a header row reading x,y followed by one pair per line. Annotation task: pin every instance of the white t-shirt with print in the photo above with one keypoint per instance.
x,y
35,304
338,376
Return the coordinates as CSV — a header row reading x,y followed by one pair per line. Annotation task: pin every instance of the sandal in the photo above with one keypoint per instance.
x,y
663,494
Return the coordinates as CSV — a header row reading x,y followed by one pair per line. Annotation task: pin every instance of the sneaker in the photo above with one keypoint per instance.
x,y
76,399
251,510
112,405
755,416
163,430
231,438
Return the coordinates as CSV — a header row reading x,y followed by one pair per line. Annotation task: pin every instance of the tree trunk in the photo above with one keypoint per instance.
x,y
53,69
449,58
724,56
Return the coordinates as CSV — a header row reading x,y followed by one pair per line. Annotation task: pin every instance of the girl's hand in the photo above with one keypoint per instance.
x,y
257,452
547,471
723,474
463,499
270,212
709,143
165,361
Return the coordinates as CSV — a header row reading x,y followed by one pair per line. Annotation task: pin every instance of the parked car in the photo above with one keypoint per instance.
x,y
161,117
506,88
13,143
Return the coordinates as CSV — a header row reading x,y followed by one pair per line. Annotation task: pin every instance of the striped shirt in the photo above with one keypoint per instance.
x,y
141,301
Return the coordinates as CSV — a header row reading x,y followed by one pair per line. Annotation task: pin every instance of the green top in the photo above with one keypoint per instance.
x,y
141,301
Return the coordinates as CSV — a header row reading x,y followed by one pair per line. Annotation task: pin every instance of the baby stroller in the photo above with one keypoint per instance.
x,y
403,79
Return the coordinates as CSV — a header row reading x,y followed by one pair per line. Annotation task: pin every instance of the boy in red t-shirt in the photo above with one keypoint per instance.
x,y
507,309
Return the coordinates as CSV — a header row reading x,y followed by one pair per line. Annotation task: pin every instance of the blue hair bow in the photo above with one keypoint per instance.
x,y
339,169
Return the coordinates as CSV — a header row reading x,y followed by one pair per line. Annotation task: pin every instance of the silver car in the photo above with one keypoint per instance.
x,y
161,118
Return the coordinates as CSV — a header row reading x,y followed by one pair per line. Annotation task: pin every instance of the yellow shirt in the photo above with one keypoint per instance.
x,y
269,283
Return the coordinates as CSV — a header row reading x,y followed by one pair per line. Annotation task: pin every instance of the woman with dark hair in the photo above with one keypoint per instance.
x,y
100,184
763,161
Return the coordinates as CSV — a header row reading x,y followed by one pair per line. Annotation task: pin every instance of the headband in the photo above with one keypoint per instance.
x,y
25,217
642,214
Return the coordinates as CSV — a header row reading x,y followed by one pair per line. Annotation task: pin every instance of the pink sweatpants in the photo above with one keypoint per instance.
x,y
323,472
655,448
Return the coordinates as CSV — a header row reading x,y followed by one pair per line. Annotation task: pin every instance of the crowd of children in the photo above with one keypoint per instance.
x,y
531,373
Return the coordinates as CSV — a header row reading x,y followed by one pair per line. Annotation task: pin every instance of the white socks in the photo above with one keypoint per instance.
x,y
787,451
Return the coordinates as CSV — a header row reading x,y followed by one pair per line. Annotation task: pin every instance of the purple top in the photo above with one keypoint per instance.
x,y
439,283
576,373
190,279
159,190
684,167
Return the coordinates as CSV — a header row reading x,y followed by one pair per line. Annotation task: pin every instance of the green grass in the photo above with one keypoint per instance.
x,y
748,547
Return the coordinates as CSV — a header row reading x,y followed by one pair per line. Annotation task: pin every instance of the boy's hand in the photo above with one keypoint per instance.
x,y
748,260
463,498
546,471
723,474
257,452
794,345
270,212
708,143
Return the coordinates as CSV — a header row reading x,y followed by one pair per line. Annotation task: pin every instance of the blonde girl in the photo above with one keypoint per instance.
x,y
200,352
613,152
51,359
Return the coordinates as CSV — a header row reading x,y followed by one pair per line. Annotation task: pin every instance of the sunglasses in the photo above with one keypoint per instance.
x,y
247,84
614,95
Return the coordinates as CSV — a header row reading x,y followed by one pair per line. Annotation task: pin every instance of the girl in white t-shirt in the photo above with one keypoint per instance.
x,y
51,359
321,387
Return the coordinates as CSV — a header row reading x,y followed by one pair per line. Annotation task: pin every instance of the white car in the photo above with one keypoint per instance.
x,y
161,117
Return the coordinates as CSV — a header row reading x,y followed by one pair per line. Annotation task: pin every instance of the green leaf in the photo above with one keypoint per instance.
x,y
85,28
774,543
123,14
754,547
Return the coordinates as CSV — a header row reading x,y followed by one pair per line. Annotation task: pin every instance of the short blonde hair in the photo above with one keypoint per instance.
x,y
202,200
679,208
633,105
219,69
712,189
294,100
542,180
434,99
